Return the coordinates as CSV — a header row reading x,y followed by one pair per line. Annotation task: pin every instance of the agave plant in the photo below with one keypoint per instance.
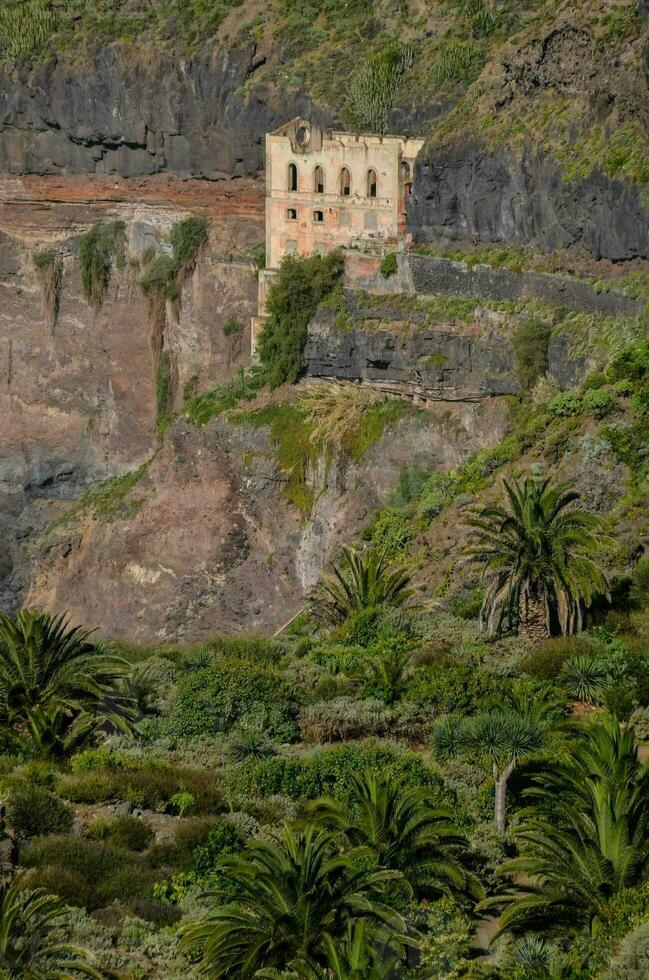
x,y
29,949
360,580
539,553
584,678
56,687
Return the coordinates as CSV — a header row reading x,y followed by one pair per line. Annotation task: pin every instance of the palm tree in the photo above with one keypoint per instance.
x,y
404,830
506,734
385,670
360,580
291,895
28,947
586,836
355,956
538,553
56,686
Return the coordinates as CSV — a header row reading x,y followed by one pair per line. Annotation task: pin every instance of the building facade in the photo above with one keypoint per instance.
x,y
327,189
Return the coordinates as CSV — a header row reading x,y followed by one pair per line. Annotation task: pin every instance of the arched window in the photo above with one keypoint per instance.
x,y
292,177
318,180
371,183
345,182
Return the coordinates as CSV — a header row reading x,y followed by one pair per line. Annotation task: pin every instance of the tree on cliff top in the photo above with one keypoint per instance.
x,y
539,554
297,289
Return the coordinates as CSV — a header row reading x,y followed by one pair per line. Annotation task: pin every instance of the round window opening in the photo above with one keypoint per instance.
x,y
303,135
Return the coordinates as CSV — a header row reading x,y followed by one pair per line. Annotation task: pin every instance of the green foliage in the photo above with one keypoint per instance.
x,y
25,26
598,402
33,810
585,837
98,248
385,669
148,786
389,265
539,556
218,697
375,86
130,833
343,718
160,277
294,294
640,582
56,687
438,491
188,238
565,404
221,840
109,500
446,688
391,535
584,678
182,802
244,386
457,61
30,944
43,260
258,253
231,327
361,580
293,892
250,742
530,345
163,385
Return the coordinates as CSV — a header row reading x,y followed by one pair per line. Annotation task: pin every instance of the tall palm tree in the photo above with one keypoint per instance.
x,y
506,734
362,579
55,685
539,557
28,946
291,894
585,838
404,830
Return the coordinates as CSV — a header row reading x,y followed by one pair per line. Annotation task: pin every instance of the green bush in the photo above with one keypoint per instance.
x,y
530,346
640,721
598,402
640,582
344,718
188,238
222,839
632,960
216,698
457,61
437,493
392,534
150,788
409,486
97,248
130,833
389,266
566,403
447,689
294,295
546,660
33,810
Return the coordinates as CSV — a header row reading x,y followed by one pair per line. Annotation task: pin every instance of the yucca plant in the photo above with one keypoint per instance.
x,y
360,580
250,743
584,678
539,554
534,953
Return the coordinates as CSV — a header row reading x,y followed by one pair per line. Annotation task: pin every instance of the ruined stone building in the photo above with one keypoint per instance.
x,y
327,189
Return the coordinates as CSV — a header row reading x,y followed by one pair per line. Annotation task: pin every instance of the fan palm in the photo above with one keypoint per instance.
x,y
586,836
55,685
360,580
28,946
404,830
538,553
291,895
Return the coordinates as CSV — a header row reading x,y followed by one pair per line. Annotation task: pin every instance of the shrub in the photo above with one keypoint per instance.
x,y
374,87
130,833
188,238
447,689
530,345
96,251
566,403
222,839
640,721
620,698
598,402
297,289
389,266
640,582
182,802
149,788
344,718
632,961
392,534
457,61
33,810
546,660
250,743
229,691
438,492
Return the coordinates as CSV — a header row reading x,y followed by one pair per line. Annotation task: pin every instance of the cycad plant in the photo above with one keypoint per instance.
x,y
294,896
29,950
56,687
361,579
585,837
404,830
539,554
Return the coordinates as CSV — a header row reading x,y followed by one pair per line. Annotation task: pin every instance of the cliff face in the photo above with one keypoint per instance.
x,y
78,395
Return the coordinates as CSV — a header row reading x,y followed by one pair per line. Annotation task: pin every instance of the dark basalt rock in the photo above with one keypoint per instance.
x,y
467,193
